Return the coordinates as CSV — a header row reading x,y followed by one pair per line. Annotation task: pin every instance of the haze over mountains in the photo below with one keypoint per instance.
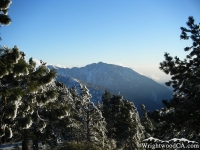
x,y
124,81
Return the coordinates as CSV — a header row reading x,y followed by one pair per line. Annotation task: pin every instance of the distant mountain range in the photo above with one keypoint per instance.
x,y
124,81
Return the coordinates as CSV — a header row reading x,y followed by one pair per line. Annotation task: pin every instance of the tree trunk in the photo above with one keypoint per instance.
x,y
25,145
111,141
87,127
2,140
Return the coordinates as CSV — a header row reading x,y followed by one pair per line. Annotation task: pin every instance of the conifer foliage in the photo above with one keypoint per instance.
x,y
123,123
56,114
4,18
182,114
147,123
88,124
23,92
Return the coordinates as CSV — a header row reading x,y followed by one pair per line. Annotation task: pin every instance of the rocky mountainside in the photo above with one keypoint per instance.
x,y
99,77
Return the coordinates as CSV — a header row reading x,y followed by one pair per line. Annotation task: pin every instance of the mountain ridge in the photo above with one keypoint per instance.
x,y
117,79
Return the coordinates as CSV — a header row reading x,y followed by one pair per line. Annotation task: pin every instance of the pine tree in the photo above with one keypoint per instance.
x,y
93,121
24,93
128,129
107,113
123,122
74,128
56,114
147,123
116,103
163,124
4,18
182,112
88,124
136,130
12,65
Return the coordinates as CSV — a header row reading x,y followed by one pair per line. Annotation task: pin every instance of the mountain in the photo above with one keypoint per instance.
x,y
99,77
169,87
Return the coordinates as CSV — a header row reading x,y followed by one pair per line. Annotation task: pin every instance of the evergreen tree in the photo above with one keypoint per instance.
x,y
147,123
4,18
74,129
163,124
56,114
182,114
12,65
107,113
129,127
116,107
123,122
88,124
24,93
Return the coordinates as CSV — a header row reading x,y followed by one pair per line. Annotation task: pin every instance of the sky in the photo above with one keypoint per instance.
x,y
74,33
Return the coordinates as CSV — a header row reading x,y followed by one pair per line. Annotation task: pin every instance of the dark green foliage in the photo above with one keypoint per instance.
x,y
107,113
123,122
147,123
55,117
4,18
28,97
181,116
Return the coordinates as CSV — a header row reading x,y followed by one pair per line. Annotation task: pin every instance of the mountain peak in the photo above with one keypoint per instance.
x,y
133,86
101,62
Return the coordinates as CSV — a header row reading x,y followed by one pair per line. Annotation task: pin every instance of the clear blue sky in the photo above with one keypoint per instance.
x,y
132,33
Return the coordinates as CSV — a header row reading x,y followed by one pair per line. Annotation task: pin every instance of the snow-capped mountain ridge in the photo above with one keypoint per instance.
x,y
132,85
152,139
181,140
